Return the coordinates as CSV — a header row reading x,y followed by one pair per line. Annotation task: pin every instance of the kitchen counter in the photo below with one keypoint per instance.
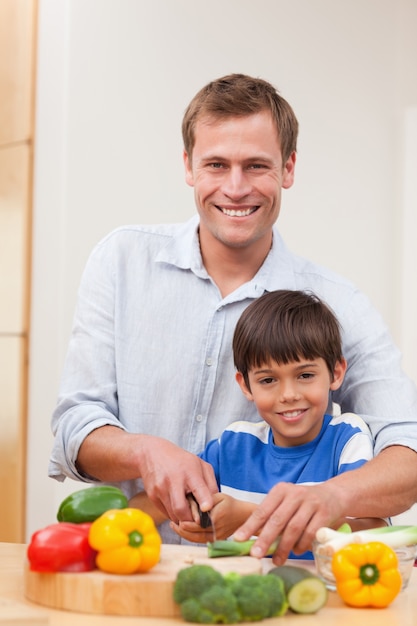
x,y
15,610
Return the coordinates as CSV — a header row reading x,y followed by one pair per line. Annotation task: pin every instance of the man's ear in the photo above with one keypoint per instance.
x,y
241,382
288,171
338,374
189,178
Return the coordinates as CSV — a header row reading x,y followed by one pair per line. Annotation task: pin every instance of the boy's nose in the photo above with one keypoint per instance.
x,y
288,392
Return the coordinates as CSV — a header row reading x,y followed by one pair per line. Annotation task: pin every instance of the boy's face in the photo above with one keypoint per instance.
x,y
292,398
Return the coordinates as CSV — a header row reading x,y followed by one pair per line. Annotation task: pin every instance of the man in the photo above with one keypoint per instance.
x,y
149,376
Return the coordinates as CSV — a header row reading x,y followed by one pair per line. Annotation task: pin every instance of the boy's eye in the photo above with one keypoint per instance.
x,y
306,375
266,381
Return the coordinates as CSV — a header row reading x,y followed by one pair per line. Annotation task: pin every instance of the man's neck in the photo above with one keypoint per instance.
x,y
231,267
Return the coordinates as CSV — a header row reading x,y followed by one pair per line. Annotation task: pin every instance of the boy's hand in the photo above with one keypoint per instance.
x,y
227,515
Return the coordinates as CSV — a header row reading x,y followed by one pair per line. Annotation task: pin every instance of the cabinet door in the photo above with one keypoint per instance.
x,y
17,61
14,236
17,28
12,440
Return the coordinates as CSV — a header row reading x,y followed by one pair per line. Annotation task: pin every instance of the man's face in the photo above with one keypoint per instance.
x,y
237,173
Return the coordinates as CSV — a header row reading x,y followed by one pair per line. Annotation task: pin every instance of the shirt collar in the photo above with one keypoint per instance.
x,y
183,251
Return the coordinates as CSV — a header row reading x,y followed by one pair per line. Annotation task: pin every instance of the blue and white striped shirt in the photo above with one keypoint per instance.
x,y
248,464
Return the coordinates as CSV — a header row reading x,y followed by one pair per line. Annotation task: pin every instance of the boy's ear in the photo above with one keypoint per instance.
x,y
339,374
241,381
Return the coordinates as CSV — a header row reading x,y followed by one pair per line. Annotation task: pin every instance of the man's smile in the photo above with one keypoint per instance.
x,y
237,212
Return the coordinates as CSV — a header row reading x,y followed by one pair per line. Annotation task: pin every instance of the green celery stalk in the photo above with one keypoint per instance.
x,y
227,547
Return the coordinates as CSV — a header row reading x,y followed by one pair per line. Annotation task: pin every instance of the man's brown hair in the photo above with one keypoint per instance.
x,y
241,95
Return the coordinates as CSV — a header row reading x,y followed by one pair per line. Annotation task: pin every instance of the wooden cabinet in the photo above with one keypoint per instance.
x,y
17,84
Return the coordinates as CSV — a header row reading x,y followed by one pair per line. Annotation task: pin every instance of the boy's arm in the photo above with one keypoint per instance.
x,y
142,501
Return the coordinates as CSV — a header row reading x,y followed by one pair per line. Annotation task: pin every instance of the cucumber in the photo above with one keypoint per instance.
x,y
88,504
306,593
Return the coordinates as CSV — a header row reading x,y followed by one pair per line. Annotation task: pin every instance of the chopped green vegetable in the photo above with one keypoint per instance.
x,y
208,597
227,547
344,528
306,593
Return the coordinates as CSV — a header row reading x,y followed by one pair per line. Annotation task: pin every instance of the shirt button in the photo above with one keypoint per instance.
x,y
199,418
209,361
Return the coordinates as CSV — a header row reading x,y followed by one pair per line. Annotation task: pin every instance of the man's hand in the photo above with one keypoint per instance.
x,y
382,487
168,472
293,513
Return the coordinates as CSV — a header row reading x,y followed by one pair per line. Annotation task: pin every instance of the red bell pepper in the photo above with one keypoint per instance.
x,y
61,547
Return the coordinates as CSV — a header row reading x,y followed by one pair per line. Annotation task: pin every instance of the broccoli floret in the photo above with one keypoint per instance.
x,y
222,604
231,577
193,581
207,597
192,611
257,598
278,603
216,605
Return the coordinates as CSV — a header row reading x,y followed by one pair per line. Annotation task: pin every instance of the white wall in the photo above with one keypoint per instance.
x,y
114,77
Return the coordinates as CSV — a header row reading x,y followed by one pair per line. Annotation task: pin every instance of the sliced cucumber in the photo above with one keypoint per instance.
x,y
306,593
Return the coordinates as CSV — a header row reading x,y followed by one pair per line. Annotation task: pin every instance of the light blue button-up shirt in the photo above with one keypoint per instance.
x,y
150,349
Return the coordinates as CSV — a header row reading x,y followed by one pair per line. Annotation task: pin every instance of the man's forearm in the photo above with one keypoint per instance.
x,y
110,454
383,487
168,472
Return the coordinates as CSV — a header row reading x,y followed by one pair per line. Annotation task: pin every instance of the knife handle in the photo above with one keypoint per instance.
x,y
205,519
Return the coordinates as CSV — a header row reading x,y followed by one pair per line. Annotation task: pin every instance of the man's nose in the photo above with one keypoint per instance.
x,y
236,184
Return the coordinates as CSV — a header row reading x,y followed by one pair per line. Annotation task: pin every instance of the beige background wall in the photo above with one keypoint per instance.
x,y
114,77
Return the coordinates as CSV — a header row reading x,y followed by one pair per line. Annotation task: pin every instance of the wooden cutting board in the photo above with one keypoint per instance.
x,y
147,594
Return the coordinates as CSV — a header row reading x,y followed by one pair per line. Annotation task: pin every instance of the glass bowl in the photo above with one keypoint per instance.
x,y
323,561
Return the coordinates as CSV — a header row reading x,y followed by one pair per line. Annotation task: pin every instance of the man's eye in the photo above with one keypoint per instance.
x,y
216,166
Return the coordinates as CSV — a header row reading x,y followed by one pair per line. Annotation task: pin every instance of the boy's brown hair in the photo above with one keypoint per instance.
x,y
240,95
286,326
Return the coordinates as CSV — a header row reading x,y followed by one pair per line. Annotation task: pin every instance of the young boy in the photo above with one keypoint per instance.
x,y
288,356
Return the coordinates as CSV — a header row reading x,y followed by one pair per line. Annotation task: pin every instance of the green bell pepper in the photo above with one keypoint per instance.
x,y
88,504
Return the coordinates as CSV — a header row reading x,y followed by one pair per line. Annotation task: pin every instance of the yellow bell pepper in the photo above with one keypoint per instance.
x,y
127,541
367,574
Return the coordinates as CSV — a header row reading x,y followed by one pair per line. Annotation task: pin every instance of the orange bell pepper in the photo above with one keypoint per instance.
x,y
367,574
127,541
